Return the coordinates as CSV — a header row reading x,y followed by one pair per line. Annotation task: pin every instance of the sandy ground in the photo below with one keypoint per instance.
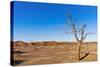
x,y
51,52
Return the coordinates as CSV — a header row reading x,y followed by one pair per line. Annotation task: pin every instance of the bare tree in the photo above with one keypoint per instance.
x,y
79,33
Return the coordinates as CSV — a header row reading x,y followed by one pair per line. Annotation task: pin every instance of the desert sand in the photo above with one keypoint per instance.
x,y
50,52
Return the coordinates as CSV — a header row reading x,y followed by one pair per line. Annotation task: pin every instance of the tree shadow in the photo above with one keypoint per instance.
x,y
84,56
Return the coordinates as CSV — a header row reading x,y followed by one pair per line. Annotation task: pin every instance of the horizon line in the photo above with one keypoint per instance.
x,y
50,41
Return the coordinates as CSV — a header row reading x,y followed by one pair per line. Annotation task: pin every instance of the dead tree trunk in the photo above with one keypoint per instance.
x,y
78,49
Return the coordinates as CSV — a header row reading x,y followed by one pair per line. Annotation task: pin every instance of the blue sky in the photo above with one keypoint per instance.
x,y
42,21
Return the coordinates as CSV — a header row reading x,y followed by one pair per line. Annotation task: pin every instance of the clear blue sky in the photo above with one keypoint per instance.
x,y
41,21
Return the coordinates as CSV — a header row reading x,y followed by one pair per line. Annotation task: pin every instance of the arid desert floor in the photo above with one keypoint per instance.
x,y
51,52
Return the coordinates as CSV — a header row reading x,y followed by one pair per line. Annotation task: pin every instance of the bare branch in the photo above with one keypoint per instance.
x,y
74,30
82,32
86,35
